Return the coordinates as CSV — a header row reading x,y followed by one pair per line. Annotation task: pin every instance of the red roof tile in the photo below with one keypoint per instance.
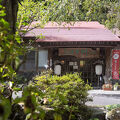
x,y
80,31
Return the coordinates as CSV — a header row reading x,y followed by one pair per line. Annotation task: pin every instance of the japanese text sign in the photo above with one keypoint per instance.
x,y
115,64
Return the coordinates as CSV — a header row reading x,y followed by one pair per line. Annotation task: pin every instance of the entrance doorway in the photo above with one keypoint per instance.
x,y
86,68
81,60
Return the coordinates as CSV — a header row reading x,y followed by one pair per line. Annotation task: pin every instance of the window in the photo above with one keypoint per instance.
x,y
29,64
43,58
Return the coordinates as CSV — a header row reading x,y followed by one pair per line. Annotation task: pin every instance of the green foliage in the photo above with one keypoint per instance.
x,y
5,108
113,16
94,119
5,45
57,116
31,99
96,10
30,11
48,10
66,94
106,11
10,49
111,107
65,10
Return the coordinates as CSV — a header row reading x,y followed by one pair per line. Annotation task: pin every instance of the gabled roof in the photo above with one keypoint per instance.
x,y
79,31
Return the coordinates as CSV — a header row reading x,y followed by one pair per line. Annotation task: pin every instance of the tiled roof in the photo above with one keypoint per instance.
x,y
79,31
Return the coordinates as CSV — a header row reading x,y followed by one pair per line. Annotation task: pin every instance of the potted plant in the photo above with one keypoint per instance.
x,y
107,86
115,87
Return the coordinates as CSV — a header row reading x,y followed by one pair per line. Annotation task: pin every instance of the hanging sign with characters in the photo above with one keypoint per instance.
x,y
80,52
115,64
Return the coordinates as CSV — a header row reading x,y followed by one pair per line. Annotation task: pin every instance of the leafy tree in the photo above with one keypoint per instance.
x,y
106,12
10,47
11,8
113,16
48,10
30,11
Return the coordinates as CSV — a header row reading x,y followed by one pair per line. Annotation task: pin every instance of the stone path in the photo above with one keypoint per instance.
x,y
101,97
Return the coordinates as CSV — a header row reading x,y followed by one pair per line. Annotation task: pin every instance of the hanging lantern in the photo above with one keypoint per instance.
x,y
98,69
57,69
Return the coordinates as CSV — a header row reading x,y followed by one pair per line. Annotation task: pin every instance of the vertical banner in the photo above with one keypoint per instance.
x,y
115,64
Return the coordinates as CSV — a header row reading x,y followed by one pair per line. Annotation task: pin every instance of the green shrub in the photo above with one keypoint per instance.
x,y
111,107
65,94
94,119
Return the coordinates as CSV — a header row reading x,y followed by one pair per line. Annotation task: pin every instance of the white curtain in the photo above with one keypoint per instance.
x,y
43,58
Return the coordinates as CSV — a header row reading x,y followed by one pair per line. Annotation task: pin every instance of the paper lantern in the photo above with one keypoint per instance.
x,y
98,69
57,69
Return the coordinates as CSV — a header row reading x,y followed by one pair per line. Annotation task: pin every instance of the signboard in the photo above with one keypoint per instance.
x,y
80,52
115,64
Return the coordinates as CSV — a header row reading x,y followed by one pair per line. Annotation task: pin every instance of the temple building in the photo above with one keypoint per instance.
x,y
84,47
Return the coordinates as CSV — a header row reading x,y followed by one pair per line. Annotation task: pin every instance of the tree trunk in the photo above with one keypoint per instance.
x,y
11,7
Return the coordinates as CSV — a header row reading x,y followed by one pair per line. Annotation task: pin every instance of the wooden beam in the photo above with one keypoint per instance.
x,y
37,56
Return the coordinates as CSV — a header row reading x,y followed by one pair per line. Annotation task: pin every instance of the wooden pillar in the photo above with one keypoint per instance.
x,y
37,56
108,68
49,51
49,57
